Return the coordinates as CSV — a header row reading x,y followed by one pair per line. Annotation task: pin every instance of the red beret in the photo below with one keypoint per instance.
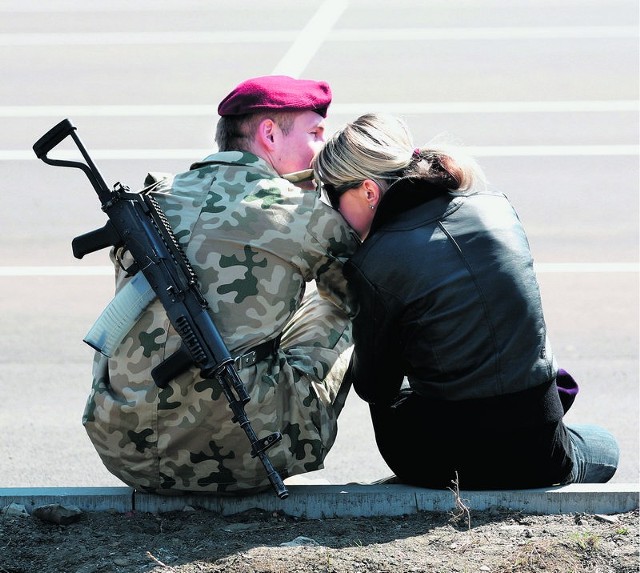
x,y
277,93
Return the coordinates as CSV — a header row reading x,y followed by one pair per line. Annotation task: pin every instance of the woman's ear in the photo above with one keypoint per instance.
x,y
372,192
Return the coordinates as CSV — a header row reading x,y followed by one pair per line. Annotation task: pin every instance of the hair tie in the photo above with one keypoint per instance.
x,y
417,154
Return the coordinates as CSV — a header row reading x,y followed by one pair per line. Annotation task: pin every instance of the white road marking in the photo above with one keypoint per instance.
x,y
415,108
323,17
478,151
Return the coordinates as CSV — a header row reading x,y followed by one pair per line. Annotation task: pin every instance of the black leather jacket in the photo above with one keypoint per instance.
x,y
448,298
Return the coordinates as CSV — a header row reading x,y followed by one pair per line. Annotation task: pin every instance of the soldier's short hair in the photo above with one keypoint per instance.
x,y
235,132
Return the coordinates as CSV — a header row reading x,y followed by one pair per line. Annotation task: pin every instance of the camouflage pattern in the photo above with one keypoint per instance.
x,y
257,243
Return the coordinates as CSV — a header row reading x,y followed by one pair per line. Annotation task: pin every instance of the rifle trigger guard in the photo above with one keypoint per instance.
x,y
130,270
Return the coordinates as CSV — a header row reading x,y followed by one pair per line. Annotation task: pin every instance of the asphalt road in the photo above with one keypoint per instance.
x,y
544,93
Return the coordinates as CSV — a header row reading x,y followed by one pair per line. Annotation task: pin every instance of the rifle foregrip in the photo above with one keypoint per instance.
x,y
172,367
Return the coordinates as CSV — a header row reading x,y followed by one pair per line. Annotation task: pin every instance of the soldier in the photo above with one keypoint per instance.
x,y
256,241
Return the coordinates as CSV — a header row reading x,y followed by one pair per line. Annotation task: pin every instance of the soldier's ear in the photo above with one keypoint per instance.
x,y
267,133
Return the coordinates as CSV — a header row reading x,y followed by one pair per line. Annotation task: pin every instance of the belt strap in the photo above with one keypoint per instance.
x,y
257,353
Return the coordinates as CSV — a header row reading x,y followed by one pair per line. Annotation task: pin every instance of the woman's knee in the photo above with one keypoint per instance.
x,y
596,453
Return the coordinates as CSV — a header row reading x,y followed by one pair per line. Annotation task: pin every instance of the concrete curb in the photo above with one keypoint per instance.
x,y
350,500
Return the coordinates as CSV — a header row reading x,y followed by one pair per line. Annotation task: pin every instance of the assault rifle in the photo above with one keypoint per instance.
x,y
137,224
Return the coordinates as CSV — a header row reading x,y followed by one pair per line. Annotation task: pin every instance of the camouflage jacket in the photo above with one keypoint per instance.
x,y
254,240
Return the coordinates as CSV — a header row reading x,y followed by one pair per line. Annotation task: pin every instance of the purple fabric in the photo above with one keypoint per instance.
x,y
567,388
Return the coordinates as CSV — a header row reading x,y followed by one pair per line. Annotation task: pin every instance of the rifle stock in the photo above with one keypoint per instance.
x,y
137,223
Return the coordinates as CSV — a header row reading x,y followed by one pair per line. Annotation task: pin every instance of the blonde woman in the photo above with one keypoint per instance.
x,y
448,300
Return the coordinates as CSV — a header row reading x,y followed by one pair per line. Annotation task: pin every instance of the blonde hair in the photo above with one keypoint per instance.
x,y
380,147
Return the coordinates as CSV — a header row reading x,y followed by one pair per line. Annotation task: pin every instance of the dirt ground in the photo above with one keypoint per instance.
x,y
197,540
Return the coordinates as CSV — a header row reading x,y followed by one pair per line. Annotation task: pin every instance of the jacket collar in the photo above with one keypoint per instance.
x,y
410,201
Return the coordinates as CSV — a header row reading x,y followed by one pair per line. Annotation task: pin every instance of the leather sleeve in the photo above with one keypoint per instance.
x,y
375,368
